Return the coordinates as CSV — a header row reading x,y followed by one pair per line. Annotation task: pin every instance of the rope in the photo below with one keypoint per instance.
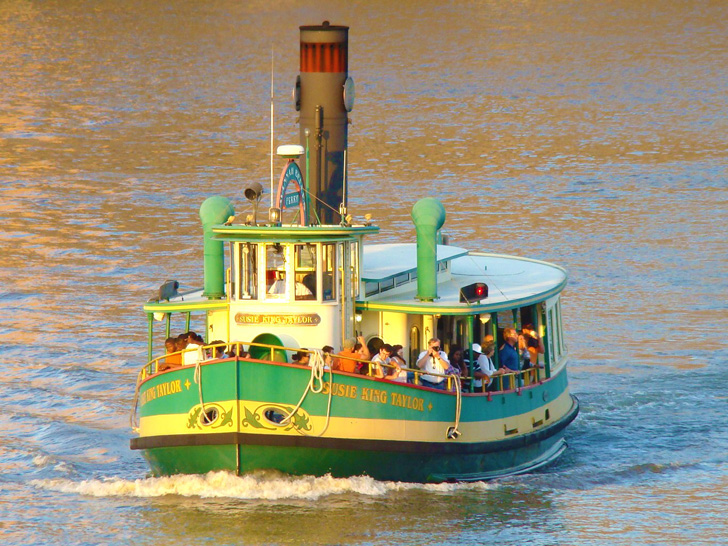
x,y
198,379
453,432
317,376
132,416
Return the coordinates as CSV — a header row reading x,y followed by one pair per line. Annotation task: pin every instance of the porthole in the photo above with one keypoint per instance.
x,y
209,416
274,416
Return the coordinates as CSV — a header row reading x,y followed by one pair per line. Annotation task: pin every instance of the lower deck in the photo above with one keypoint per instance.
x,y
230,415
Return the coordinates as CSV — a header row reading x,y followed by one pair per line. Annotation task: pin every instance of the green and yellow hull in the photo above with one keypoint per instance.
x,y
355,425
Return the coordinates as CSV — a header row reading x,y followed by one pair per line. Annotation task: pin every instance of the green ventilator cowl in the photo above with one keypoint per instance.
x,y
428,214
214,211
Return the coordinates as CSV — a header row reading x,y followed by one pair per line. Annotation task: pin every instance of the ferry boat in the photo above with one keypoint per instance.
x,y
287,282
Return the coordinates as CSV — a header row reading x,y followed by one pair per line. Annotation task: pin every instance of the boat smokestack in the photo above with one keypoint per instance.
x,y
215,210
319,95
428,214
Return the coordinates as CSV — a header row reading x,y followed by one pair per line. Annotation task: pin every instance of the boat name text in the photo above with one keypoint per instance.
x,y
375,395
307,319
158,391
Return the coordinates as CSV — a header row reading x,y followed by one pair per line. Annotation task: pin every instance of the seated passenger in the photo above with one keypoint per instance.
x,y
215,350
328,355
380,360
171,360
433,360
279,284
363,353
398,371
193,350
343,361
232,351
302,357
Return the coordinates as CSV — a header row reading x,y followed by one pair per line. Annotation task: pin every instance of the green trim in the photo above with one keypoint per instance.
x,y
184,306
429,308
291,233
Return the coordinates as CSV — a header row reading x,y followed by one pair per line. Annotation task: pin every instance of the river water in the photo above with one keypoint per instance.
x,y
592,135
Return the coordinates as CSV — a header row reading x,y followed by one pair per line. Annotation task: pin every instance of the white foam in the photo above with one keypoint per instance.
x,y
254,486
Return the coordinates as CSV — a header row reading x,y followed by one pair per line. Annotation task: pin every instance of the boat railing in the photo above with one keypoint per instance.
x,y
504,382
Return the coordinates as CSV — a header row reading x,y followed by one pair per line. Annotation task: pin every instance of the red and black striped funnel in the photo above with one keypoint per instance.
x,y
324,95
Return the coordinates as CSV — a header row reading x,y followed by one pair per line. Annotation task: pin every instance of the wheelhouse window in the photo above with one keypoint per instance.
x,y
248,281
328,268
305,271
275,271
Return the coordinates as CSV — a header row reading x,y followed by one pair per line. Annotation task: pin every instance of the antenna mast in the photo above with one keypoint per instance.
x,y
271,125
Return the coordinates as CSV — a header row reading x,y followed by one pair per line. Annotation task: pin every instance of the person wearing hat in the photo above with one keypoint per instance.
x,y
352,349
484,369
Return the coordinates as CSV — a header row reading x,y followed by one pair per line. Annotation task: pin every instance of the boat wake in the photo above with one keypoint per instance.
x,y
254,486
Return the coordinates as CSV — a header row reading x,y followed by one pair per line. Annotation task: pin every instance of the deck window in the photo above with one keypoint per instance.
x,y
328,269
248,271
386,284
275,271
305,271
401,279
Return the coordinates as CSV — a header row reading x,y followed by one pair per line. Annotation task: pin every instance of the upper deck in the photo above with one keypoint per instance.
x,y
389,273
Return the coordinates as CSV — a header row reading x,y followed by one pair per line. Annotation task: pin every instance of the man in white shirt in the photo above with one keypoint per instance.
x,y
433,360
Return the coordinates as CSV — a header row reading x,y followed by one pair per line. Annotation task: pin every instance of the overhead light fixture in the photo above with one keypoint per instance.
x,y
484,318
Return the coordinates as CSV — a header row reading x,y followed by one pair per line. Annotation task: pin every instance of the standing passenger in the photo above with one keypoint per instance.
x,y
508,354
433,360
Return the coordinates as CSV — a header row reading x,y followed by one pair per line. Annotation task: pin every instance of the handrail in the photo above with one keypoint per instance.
x,y
515,378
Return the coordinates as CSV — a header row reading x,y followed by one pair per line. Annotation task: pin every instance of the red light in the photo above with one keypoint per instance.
x,y
480,290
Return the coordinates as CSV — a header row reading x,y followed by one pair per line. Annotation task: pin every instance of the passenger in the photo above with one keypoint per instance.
x,y
484,369
328,355
363,353
508,355
193,350
245,355
433,360
343,361
233,348
457,361
398,372
529,340
171,360
215,350
279,286
381,361
302,357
